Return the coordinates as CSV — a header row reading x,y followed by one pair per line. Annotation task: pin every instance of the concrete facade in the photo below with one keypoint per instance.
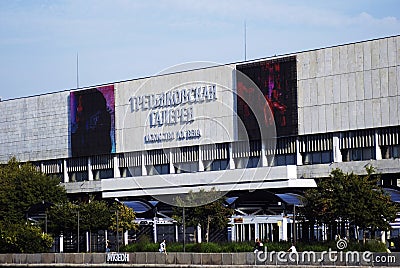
x,y
348,99
35,128
349,87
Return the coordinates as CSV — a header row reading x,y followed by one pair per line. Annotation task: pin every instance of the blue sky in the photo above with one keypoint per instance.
x,y
125,39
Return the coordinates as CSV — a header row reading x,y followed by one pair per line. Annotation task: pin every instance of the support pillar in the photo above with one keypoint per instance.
x,y
143,164
117,173
200,161
171,162
283,230
198,233
299,157
88,242
378,151
337,154
263,156
65,170
125,240
61,243
256,230
89,169
155,229
231,161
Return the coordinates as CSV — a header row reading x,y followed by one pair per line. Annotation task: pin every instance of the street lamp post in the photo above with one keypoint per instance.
x,y
184,229
294,224
117,232
117,221
78,231
45,221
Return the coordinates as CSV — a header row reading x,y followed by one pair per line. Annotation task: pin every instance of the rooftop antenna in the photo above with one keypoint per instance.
x,y
245,41
77,70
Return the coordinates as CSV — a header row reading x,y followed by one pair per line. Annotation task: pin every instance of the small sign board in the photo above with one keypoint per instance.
x,y
115,257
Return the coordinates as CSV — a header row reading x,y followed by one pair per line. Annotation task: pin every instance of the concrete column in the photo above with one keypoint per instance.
x,y
201,164
378,151
231,162
61,243
283,230
89,169
337,154
117,173
106,235
87,242
299,157
144,170
176,233
261,231
125,240
198,233
233,232
250,234
65,170
291,172
324,233
155,229
256,230
383,237
263,156
171,163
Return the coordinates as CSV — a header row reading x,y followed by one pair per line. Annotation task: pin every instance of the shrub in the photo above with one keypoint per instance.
x,y
22,238
144,246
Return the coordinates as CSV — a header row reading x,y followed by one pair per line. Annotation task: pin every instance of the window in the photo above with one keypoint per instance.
x,y
214,165
131,172
158,169
316,158
219,164
396,151
322,157
251,162
285,159
186,167
124,171
392,151
103,174
326,157
358,154
78,176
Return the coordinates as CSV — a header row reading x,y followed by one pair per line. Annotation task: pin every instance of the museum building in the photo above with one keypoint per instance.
x,y
260,131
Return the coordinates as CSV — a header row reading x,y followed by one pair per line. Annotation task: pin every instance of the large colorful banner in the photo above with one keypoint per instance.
x,y
277,81
93,121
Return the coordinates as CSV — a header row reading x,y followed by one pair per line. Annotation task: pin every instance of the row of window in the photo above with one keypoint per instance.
x,y
311,158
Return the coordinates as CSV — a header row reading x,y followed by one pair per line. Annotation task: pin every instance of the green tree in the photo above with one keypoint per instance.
x,y
22,187
93,216
63,217
356,199
214,214
124,216
23,238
